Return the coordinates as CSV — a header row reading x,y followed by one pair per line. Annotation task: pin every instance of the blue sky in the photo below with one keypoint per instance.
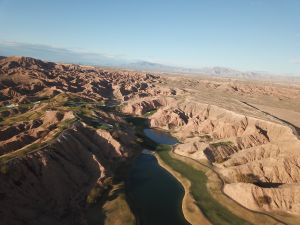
x,y
259,35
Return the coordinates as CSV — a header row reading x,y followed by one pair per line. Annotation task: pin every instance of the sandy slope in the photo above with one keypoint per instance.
x,y
255,152
246,130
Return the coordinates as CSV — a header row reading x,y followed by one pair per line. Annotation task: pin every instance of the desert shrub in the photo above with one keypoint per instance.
x,y
217,144
149,113
3,168
94,194
105,126
220,159
8,82
247,178
236,164
67,123
263,200
206,137
25,91
107,182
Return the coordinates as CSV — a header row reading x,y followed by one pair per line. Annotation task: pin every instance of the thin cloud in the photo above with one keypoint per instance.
x,y
52,53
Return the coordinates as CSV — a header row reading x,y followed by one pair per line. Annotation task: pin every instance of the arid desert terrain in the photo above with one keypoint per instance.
x,y
65,141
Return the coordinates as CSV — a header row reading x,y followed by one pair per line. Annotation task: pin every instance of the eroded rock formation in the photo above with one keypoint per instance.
x,y
61,135
50,186
252,155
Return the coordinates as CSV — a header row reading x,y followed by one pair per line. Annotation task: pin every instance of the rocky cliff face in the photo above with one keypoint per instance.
x,y
49,163
14,136
252,155
50,186
284,198
60,137
26,77
139,107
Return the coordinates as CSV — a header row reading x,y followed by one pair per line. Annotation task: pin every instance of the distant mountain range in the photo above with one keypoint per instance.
x,y
54,54
210,71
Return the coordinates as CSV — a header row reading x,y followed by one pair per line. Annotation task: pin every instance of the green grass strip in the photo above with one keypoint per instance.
x,y
214,211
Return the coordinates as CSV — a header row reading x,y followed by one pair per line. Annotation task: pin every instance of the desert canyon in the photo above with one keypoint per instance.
x,y
64,137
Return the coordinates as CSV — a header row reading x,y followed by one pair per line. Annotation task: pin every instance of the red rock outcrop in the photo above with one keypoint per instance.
x,y
50,186
243,149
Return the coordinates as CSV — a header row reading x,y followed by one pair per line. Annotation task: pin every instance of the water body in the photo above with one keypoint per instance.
x,y
156,196
160,137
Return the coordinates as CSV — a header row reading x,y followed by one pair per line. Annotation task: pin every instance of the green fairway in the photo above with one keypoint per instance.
x,y
214,211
